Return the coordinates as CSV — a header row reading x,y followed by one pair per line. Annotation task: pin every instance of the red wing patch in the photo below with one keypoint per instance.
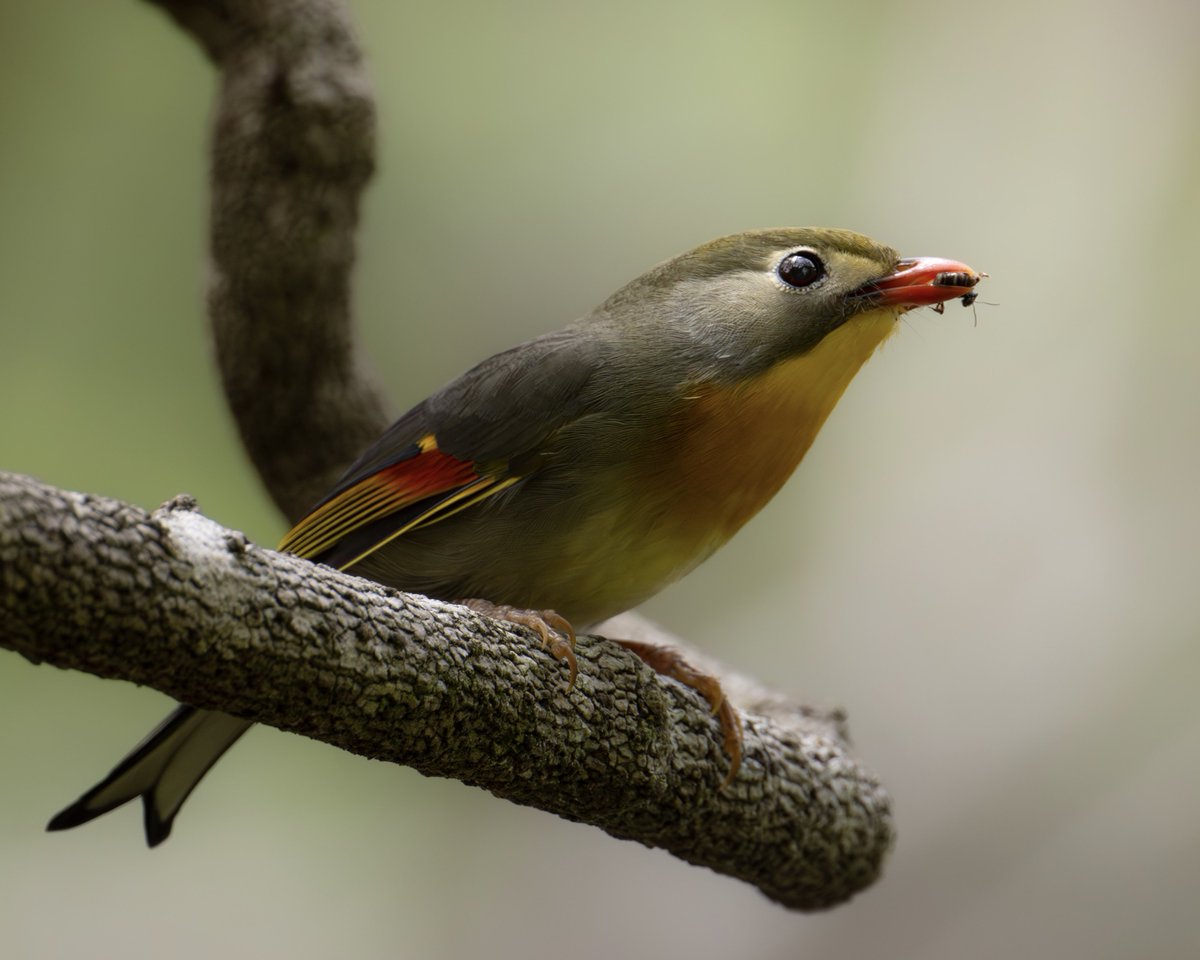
x,y
421,477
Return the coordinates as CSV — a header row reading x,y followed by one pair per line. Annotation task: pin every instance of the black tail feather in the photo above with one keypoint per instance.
x,y
163,770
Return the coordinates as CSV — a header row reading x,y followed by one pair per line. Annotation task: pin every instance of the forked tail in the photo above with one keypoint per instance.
x,y
163,769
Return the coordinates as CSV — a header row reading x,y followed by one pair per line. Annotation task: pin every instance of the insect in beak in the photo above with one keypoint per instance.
x,y
957,279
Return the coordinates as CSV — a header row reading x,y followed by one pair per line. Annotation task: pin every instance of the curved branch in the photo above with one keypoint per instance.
x,y
292,150
176,602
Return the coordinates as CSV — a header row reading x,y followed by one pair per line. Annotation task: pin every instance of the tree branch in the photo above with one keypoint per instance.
x,y
174,601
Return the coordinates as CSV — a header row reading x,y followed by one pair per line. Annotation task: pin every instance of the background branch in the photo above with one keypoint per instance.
x,y
174,601
292,150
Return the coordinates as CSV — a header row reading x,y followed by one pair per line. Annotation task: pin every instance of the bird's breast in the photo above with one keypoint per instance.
x,y
730,447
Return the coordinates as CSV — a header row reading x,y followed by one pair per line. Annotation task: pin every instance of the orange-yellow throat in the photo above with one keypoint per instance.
x,y
738,445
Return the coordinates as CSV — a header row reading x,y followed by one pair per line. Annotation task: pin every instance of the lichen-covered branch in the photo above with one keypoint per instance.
x,y
176,602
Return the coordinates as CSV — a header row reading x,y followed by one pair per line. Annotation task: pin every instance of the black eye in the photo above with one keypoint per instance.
x,y
801,269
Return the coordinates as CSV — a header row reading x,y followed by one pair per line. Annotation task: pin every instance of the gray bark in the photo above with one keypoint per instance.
x,y
293,142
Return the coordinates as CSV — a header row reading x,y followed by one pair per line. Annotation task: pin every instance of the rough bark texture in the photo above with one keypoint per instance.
x,y
292,149
178,603
174,601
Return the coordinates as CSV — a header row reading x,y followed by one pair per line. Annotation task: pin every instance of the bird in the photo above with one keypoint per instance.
x,y
575,475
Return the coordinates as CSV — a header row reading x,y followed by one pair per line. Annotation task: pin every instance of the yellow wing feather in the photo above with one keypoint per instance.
x,y
423,476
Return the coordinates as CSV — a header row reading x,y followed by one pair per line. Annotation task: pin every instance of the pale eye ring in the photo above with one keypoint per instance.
x,y
800,269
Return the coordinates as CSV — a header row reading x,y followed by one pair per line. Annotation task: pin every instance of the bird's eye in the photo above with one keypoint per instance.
x,y
801,269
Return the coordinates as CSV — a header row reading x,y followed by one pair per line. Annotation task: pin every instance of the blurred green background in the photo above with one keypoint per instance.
x,y
990,557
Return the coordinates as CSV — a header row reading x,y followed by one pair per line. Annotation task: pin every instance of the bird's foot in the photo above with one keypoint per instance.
x,y
669,662
558,636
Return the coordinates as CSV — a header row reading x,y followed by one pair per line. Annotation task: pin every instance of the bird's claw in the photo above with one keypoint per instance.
x,y
556,633
671,663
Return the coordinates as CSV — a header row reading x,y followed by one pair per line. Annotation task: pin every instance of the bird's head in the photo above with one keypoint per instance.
x,y
747,301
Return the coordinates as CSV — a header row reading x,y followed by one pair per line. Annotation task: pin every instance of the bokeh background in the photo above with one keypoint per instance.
x,y
990,557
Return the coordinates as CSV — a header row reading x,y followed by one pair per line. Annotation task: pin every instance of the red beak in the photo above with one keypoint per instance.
x,y
923,282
